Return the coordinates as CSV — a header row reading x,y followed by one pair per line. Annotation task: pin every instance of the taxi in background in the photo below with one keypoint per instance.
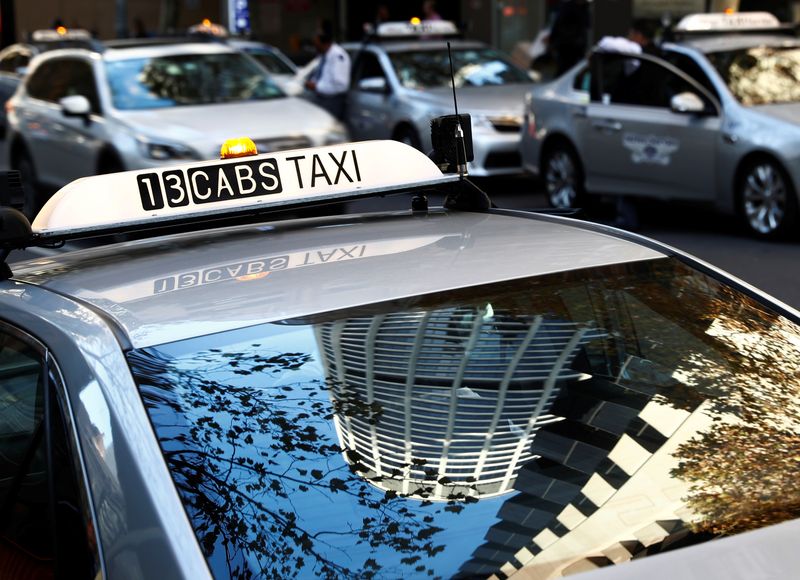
x,y
713,117
458,391
401,79
281,68
14,59
147,102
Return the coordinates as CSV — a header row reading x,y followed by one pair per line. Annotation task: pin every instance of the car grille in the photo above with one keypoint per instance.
x,y
508,124
502,160
281,144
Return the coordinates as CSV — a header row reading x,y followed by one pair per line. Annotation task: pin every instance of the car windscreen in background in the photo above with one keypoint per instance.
x,y
760,75
473,67
187,79
626,409
271,61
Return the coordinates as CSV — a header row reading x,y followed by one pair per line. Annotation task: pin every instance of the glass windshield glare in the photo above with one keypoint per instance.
x,y
762,75
271,61
187,79
501,427
476,67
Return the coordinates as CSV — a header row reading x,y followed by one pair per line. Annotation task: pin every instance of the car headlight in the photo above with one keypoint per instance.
x,y
337,134
166,151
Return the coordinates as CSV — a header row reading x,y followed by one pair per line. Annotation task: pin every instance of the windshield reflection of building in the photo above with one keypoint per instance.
x,y
449,399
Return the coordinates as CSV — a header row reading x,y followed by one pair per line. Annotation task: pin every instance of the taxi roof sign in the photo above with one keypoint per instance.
x,y
239,185
724,21
416,27
61,33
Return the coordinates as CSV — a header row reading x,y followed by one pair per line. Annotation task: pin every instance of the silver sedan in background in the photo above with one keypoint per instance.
x,y
713,118
399,85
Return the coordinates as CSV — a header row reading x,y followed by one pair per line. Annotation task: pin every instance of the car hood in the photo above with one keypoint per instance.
x,y
205,127
503,99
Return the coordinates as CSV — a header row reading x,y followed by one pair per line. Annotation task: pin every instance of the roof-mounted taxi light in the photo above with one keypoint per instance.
x,y
206,22
238,147
416,27
729,10
207,190
727,22
61,30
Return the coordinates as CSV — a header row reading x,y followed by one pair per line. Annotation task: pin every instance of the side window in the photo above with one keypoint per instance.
x,y
7,62
367,66
628,80
689,66
56,79
582,80
42,528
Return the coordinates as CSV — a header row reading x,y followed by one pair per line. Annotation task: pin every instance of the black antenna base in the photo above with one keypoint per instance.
x,y
466,196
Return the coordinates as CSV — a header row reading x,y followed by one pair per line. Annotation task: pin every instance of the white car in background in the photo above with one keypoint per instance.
x,y
281,69
144,103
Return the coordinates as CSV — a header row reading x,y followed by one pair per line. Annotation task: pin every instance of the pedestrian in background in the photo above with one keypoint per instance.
x,y
569,34
429,11
331,79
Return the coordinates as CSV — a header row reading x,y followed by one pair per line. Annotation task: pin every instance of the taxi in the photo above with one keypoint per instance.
x,y
712,117
401,79
458,391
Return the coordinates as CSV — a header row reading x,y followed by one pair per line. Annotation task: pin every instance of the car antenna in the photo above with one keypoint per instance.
x,y
461,152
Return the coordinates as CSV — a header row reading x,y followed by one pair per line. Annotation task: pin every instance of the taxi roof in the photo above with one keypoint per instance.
x,y
416,45
722,42
122,52
185,285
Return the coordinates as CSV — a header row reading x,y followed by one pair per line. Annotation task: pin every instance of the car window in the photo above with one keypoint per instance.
x,y
187,79
405,439
42,527
270,61
689,66
367,66
428,69
582,80
760,75
7,63
58,78
627,80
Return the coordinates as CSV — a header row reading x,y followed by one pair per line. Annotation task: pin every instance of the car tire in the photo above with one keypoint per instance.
x,y
767,201
562,175
33,199
408,136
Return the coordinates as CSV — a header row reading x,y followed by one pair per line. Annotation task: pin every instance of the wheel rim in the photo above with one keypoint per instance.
x,y
561,180
764,198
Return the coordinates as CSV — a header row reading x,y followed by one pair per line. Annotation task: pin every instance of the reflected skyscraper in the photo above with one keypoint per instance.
x,y
447,401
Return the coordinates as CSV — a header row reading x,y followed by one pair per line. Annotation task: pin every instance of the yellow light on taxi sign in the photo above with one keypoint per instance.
x,y
729,11
239,147
62,30
416,21
206,22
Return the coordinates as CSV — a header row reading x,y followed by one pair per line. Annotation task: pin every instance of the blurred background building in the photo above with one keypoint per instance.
x,y
289,24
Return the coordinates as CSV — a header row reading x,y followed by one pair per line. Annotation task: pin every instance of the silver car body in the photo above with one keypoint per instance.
x,y
87,311
65,148
700,157
282,70
496,110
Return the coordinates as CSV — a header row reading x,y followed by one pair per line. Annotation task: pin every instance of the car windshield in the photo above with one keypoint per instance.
x,y
625,409
761,75
187,79
270,61
473,67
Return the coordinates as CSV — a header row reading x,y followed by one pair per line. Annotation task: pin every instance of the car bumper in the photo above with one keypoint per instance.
x,y
495,154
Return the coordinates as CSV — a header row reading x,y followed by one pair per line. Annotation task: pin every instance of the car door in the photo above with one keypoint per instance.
x,y
368,100
634,143
63,148
44,528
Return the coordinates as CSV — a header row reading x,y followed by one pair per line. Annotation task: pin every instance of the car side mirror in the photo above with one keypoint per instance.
x,y
687,104
373,85
76,106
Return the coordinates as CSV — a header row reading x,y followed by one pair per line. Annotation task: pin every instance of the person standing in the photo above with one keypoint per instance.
x,y
569,34
429,10
331,79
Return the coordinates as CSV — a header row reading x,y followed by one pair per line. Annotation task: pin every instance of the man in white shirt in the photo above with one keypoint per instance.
x,y
330,80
